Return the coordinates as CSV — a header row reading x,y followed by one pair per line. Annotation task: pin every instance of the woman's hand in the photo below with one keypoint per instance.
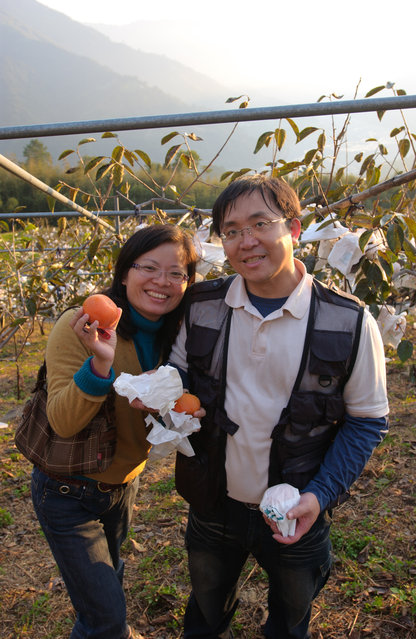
x,y
101,345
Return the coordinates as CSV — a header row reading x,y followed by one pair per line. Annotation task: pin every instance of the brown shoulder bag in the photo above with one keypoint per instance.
x,y
89,451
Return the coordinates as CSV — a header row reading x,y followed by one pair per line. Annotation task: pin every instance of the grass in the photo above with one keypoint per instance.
x,y
371,591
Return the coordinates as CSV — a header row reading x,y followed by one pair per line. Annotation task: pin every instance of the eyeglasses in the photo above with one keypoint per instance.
x,y
154,272
255,230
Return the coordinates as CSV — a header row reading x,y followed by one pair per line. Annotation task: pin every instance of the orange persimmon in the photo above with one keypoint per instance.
x,y
102,309
187,403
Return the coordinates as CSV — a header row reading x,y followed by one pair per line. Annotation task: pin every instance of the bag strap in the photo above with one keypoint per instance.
x,y
41,378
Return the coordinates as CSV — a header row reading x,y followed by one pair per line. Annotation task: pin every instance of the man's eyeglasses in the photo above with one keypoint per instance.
x,y
257,230
154,272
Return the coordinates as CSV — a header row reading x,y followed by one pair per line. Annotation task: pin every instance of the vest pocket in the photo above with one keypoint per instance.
x,y
200,345
302,437
329,352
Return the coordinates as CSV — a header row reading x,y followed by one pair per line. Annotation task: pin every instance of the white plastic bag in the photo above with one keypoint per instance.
x,y
345,253
392,327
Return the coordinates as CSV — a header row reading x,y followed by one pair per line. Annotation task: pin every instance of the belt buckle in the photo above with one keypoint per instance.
x,y
103,490
251,506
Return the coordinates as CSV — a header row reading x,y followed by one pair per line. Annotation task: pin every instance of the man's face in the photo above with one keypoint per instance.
x,y
264,260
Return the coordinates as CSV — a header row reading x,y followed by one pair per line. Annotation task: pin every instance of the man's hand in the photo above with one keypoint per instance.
x,y
306,513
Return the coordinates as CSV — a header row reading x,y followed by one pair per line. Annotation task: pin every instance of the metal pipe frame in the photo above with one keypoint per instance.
x,y
209,117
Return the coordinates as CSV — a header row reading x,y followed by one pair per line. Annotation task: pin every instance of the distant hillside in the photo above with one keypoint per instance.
x,y
187,85
53,69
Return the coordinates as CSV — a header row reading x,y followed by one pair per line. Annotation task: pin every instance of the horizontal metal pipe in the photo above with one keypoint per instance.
x,y
209,117
138,213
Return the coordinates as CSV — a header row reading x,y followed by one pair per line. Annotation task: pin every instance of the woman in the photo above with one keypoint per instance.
x,y
86,518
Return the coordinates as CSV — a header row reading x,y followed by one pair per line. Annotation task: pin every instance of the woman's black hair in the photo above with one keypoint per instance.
x,y
144,240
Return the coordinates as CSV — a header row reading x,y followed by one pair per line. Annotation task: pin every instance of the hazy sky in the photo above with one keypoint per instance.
x,y
298,50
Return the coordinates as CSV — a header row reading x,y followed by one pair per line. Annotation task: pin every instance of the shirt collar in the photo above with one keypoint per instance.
x,y
297,304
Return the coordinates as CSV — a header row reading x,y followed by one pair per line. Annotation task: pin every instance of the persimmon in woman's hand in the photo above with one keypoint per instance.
x,y
101,309
187,403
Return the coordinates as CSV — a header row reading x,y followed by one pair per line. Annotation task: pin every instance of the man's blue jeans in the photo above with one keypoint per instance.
x,y
85,529
218,548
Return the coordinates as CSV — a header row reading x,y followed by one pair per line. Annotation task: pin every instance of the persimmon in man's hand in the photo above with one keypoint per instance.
x,y
187,403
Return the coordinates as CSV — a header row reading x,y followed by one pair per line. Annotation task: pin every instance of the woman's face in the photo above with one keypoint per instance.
x,y
154,286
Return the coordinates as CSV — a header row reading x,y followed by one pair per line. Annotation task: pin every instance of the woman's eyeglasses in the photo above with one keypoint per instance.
x,y
154,272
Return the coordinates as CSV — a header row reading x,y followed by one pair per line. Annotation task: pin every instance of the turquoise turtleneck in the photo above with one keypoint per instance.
x,y
145,339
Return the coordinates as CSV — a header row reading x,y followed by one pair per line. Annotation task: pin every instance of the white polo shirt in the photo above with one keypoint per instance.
x,y
263,361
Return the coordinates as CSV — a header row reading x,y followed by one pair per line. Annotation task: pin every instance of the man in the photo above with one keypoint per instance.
x,y
292,377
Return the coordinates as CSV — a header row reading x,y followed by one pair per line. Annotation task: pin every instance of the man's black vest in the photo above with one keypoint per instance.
x,y
315,411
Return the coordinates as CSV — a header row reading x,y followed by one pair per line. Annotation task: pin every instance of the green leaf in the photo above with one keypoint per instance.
x,y
359,157
31,307
108,134
86,141
380,115
363,240
264,140
130,157
365,165
243,105
93,248
339,173
168,137
411,225
321,141
193,136
280,137
395,237
373,176
239,173
229,100
310,156
225,175
143,156
118,174
171,154
321,98
396,131
405,350
386,265
118,153
103,170
409,250
383,149
51,203
305,132
294,126
92,164
374,91
404,146
74,169
401,92
374,275
65,154
186,159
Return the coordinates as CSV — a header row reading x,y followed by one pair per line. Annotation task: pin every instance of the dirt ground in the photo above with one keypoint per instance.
x,y
371,591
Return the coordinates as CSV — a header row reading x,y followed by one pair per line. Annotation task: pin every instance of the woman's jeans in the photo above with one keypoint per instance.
x,y
218,548
85,529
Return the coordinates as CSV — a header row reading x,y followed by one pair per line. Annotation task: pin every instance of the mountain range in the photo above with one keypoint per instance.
x,y
54,69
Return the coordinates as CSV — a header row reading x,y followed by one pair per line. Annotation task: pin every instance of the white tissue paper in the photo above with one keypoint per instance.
x,y
160,390
276,502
